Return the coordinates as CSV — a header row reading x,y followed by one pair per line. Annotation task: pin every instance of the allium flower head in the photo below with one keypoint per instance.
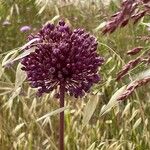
x,y
63,56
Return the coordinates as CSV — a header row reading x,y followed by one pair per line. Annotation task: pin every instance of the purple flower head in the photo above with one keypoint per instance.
x,y
63,56
25,28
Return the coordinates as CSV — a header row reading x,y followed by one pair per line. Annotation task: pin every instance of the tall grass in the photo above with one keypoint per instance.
x,y
28,122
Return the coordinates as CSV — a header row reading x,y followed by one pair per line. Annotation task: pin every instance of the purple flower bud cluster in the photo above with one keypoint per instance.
x,y
130,10
63,56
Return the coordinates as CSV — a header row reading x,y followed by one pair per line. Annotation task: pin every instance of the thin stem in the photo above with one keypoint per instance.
x,y
61,125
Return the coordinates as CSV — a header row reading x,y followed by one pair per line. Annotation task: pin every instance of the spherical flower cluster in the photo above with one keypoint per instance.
x,y
63,56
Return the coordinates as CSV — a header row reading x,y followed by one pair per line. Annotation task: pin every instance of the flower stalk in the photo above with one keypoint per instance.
x,y
63,58
61,123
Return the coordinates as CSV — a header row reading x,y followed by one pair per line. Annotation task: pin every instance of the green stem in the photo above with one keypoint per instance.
x,y
61,127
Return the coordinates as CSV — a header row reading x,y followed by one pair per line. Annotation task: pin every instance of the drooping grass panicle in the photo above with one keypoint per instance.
x,y
130,10
133,86
130,65
134,51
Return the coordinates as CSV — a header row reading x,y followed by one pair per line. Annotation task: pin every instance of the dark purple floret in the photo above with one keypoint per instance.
x,y
63,56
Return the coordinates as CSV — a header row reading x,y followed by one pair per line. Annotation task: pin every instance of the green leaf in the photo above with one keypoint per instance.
x,y
14,95
41,10
6,86
92,147
134,114
137,123
1,70
20,76
18,127
100,26
12,55
5,92
52,113
146,24
143,74
55,18
90,108
9,57
25,53
29,43
113,101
